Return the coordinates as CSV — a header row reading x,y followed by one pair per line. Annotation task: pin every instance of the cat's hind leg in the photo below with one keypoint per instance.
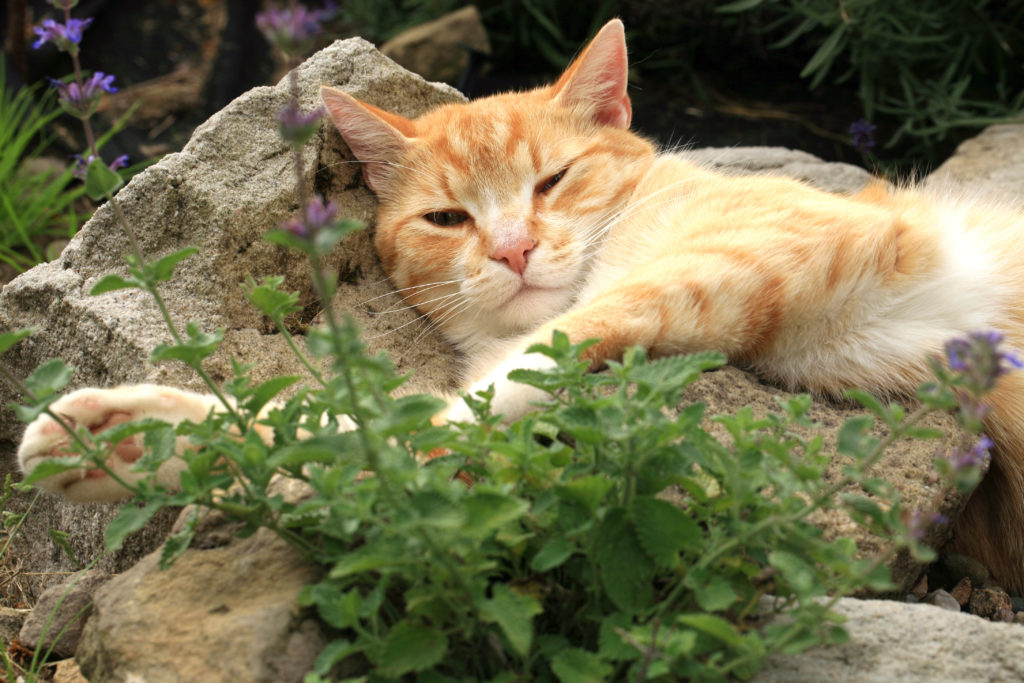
x,y
98,410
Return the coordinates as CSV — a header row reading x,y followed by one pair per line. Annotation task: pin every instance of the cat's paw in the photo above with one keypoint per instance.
x,y
97,410
511,399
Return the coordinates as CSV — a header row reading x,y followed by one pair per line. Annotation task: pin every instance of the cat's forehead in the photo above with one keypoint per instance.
x,y
503,132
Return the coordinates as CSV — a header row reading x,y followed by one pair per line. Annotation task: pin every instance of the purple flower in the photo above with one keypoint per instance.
x,y
861,130
82,164
293,28
82,100
977,456
298,127
921,521
979,360
65,36
316,216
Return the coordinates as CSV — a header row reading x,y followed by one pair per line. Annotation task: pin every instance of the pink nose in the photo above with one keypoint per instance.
x,y
514,254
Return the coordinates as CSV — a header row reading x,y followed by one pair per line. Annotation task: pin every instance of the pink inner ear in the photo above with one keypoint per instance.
x,y
376,138
597,79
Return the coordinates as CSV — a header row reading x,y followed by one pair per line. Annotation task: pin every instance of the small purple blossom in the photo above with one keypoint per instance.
x,y
82,164
82,100
291,29
316,216
977,456
920,522
979,359
297,127
862,132
65,36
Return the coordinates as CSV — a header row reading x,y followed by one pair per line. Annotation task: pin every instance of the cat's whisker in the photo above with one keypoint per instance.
x,y
420,304
424,288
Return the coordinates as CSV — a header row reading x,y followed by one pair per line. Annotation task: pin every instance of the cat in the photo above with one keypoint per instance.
x,y
511,216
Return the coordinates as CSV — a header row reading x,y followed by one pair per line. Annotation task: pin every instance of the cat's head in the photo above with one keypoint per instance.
x,y
490,212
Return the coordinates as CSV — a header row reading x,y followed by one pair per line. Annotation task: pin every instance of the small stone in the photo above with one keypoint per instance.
x,y
1019,617
1017,602
921,588
960,566
941,598
990,603
962,591
58,618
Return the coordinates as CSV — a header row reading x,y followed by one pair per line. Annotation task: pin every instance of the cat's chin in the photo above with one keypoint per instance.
x,y
530,304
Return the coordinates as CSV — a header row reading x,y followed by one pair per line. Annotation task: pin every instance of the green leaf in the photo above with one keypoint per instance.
x,y
100,181
335,651
411,647
61,539
739,6
795,571
713,626
163,270
49,378
52,466
269,298
581,423
130,519
176,544
192,351
664,530
853,439
716,594
9,339
486,512
29,413
627,573
579,666
159,442
266,392
588,491
514,613
112,282
337,608
552,554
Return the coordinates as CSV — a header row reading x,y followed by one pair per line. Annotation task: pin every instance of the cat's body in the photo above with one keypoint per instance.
x,y
509,217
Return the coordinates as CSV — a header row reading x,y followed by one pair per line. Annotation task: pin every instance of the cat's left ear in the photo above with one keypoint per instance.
x,y
376,137
596,81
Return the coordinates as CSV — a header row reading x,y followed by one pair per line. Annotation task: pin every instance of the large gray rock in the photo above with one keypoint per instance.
x,y
56,622
902,643
233,182
989,163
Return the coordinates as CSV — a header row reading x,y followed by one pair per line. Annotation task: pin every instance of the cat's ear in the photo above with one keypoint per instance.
x,y
377,138
596,81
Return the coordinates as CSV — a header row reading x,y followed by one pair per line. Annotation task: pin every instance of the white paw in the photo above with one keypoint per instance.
x,y
97,410
511,399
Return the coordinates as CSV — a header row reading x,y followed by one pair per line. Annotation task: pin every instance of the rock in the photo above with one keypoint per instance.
x,y
11,620
941,598
437,50
962,591
829,176
57,620
66,671
231,183
899,642
991,603
958,566
990,163
228,614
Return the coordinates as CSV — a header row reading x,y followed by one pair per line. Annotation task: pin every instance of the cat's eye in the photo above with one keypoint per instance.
x,y
550,182
447,219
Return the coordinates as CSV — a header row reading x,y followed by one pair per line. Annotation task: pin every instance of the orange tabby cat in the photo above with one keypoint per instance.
x,y
515,215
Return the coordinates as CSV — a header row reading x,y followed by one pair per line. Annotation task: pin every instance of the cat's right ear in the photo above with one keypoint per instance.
x,y
377,138
595,83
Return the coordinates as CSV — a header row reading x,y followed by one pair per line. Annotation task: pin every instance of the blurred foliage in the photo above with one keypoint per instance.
x,y
928,74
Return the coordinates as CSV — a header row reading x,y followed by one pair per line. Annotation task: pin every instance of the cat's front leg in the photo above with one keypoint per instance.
x,y
511,399
98,410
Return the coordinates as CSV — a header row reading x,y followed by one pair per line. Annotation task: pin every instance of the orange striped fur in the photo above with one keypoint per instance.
x,y
478,229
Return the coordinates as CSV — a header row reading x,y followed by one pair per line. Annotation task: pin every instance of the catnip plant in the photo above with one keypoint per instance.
x,y
562,560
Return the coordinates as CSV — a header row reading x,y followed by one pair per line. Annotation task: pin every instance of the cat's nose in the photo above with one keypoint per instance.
x,y
514,253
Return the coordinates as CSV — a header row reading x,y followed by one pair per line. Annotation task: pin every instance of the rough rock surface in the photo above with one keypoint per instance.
x,y
989,163
57,620
903,643
224,613
231,183
437,50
